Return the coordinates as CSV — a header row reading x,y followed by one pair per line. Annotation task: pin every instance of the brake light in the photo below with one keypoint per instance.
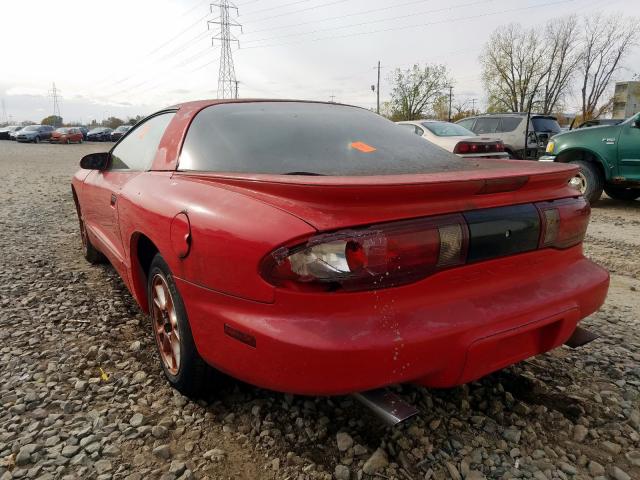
x,y
465,147
564,222
379,256
396,253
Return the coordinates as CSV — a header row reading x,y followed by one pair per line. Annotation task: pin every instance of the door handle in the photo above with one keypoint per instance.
x,y
113,199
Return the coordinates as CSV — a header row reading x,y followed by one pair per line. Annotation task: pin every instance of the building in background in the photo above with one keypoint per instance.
x,y
626,99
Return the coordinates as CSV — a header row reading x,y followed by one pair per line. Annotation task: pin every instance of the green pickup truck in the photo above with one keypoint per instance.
x,y
608,157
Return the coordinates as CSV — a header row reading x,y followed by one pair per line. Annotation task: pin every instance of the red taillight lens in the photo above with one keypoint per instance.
x,y
564,222
482,147
462,147
374,257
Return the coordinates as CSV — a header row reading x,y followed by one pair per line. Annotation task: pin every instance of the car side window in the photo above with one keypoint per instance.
x,y
486,125
509,124
138,149
419,131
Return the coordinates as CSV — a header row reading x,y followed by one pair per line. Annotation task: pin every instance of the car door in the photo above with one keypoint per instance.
x,y
629,150
132,156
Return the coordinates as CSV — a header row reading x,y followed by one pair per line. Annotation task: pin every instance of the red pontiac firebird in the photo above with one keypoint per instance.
x,y
318,248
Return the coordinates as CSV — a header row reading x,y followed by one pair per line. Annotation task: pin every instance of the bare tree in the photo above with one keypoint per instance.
x,y
562,44
514,65
415,89
606,42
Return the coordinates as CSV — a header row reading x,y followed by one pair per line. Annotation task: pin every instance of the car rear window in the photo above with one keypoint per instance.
x,y
446,129
545,125
306,138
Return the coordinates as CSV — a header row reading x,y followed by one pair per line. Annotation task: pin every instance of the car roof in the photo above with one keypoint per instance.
x,y
201,104
510,114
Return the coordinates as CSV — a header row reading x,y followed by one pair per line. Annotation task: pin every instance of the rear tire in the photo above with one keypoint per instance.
x,y
182,365
588,181
621,193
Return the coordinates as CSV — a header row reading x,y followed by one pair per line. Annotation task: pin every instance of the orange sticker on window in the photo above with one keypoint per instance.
x,y
362,147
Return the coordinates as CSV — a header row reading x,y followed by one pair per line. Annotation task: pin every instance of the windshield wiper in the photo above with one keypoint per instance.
x,y
312,174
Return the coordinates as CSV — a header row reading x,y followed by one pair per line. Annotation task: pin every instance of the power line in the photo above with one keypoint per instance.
x,y
418,25
415,14
159,47
227,85
313,7
277,6
338,17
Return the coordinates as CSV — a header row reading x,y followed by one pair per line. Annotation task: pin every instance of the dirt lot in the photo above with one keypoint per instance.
x,y
568,414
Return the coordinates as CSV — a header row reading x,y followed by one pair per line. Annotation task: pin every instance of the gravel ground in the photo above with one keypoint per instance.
x,y
82,396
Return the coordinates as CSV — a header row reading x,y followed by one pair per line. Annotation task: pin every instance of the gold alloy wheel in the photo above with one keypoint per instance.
x,y
165,324
579,182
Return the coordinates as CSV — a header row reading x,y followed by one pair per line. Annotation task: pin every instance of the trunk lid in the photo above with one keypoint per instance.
x,y
328,202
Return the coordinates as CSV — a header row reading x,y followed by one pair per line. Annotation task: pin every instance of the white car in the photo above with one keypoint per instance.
x,y
457,139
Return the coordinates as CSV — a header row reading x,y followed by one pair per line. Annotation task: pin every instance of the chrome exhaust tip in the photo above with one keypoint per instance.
x,y
580,337
387,405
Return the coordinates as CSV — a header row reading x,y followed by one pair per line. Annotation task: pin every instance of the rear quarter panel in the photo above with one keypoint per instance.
x,y
230,233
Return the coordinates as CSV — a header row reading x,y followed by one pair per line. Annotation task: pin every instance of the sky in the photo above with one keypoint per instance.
x,y
126,58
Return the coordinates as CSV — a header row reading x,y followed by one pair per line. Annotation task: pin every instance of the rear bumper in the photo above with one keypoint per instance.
x,y
449,329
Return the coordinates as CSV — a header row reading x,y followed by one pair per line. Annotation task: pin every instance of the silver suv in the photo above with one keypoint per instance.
x,y
510,128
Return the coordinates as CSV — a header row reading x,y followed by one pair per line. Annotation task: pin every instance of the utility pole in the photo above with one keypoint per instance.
x,y
56,106
473,105
450,87
237,82
227,86
4,112
332,98
378,90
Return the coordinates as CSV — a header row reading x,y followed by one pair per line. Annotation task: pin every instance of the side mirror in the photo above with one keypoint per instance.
x,y
96,161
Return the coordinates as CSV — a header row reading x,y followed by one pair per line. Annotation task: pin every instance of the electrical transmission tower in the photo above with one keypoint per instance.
x,y
56,106
227,84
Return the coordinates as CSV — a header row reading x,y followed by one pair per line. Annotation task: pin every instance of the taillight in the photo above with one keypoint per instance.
x,y
564,222
466,147
374,257
396,253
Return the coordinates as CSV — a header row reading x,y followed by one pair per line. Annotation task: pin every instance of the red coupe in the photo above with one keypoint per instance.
x,y
317,248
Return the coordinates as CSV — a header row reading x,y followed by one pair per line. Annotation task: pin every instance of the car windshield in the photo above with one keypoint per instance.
x,y
545,125
97,130
62,130
306,138
446,129
31,128
122,129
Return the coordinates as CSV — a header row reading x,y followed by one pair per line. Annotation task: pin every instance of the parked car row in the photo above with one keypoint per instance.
x,y
39,133
607,151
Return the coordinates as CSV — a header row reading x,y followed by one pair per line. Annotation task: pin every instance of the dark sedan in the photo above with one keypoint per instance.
x,y
119,132
5,132
100,134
